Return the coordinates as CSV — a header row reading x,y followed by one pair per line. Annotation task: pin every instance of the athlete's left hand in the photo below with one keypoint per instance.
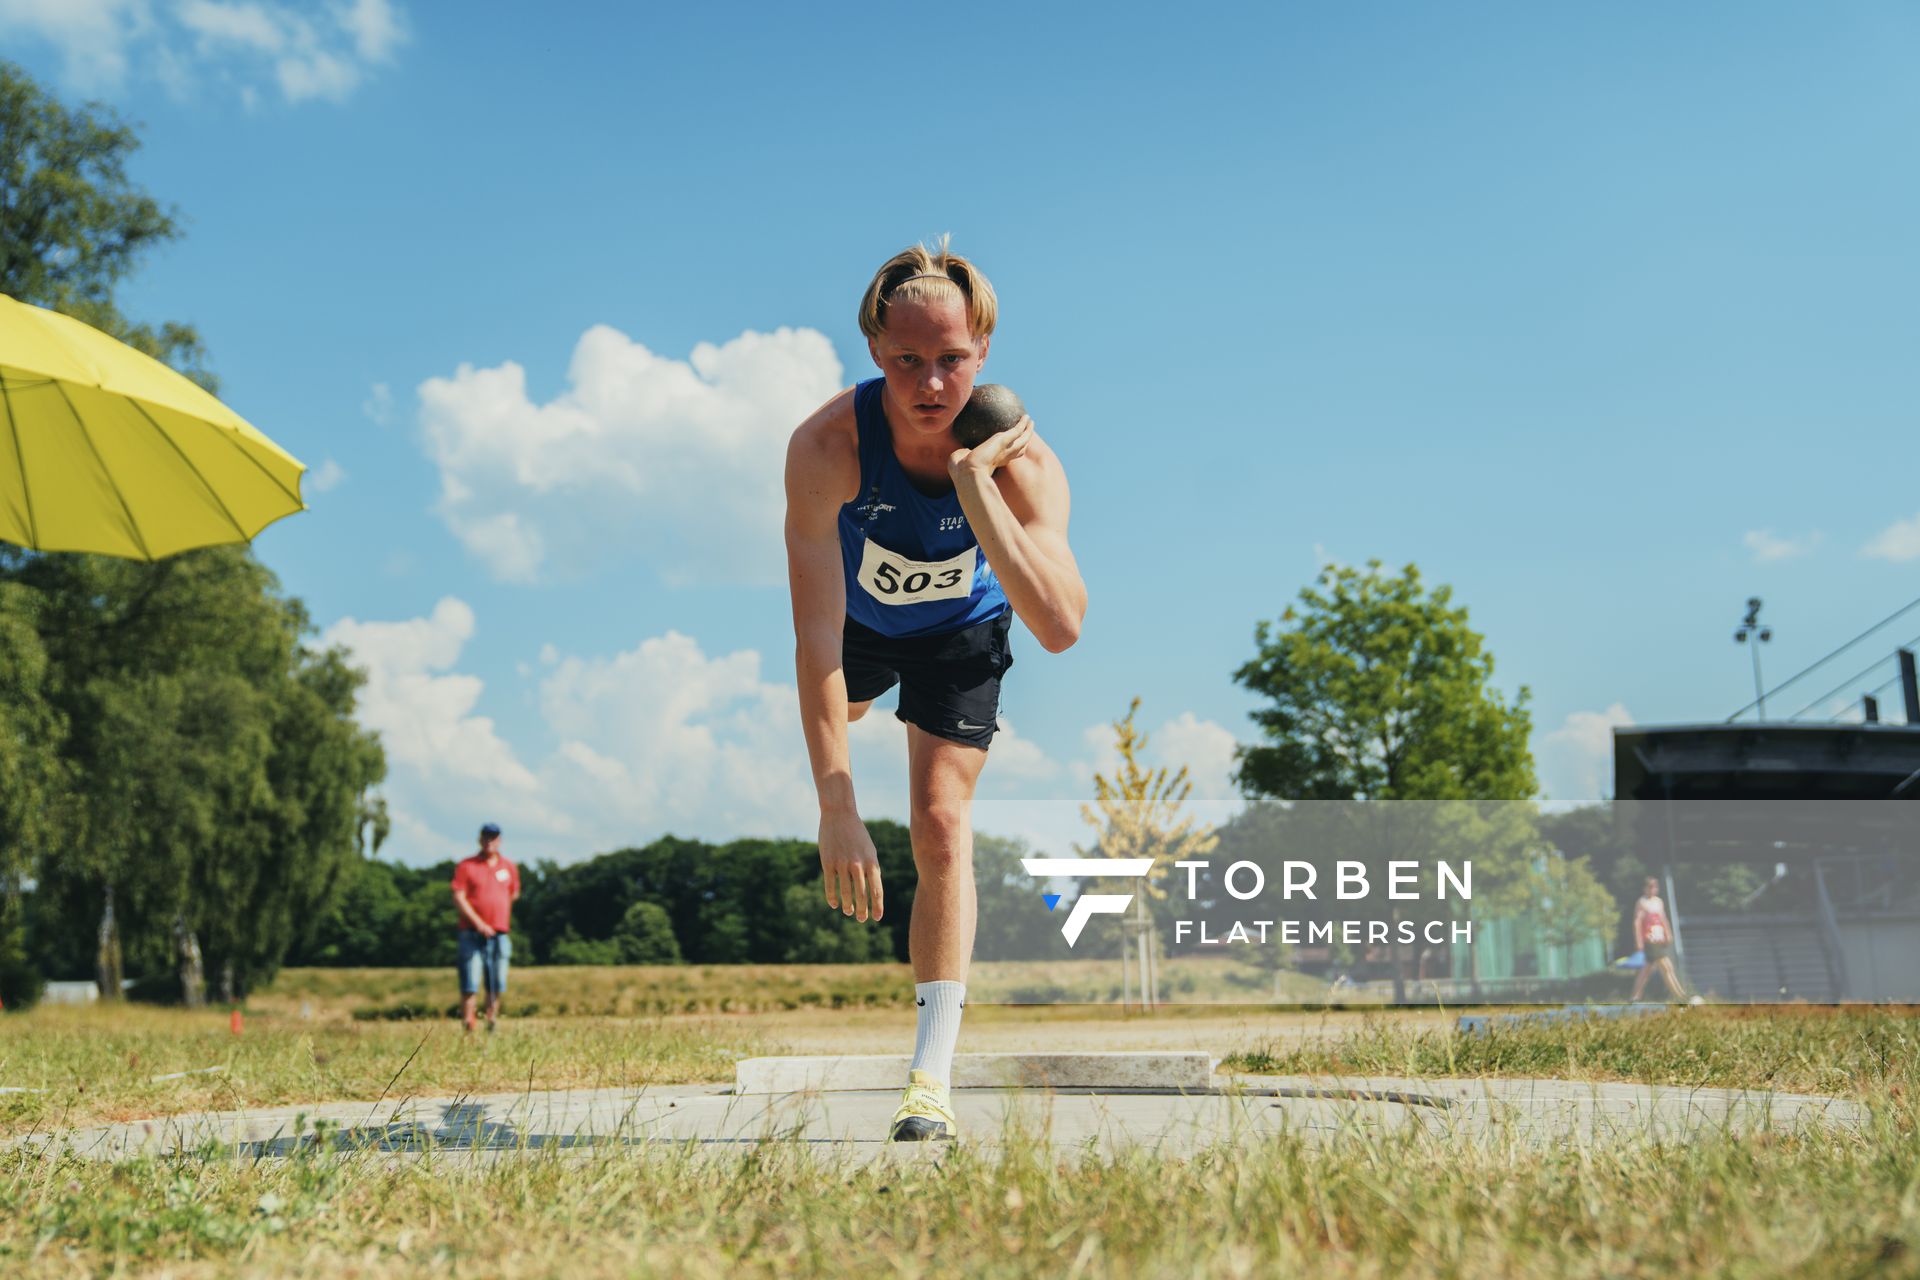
x,y
994,452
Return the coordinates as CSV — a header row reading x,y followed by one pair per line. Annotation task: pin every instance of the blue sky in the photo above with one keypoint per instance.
x,y
1605,317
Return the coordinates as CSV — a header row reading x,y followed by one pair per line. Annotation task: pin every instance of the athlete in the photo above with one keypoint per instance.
x,y
907,554
1655,936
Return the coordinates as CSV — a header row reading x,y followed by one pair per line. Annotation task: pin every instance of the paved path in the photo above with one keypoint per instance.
x,y
852,1124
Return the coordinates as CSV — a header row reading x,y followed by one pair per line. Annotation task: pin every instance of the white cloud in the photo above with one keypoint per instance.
x,y
309,51
1019,760
327,475
91,35
378,405
1768,549
511,549
377,28
1898,542
662,737
676,461
423,710
1576,760
247,26
1207,750
1203,746
316,73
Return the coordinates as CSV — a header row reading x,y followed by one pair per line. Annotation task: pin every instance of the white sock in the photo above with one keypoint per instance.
x,y
939,1030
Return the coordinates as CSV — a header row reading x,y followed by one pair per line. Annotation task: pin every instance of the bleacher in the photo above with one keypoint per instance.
x,y
1756,958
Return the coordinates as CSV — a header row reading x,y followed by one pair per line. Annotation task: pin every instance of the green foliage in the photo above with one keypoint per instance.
x,y
674,901
1598,835
571,948
817,934
216,777
726,904
1380,691
1567,904
645,936
386,916
175,764
1014,923
34,810
72,224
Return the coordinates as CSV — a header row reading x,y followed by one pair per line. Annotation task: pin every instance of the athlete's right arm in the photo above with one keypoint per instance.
x,y
823,473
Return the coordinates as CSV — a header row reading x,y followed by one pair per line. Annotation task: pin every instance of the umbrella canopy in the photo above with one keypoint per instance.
x,y
105,449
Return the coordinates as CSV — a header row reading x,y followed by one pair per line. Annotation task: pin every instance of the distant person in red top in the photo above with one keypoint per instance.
x,y
484,887
1654,932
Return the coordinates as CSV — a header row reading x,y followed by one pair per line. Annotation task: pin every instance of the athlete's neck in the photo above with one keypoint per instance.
x,y
921,456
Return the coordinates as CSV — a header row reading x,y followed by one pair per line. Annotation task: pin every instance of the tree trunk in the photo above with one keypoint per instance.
x,y
106,959
1145,943
1473,958
228,995
193,973
1396,956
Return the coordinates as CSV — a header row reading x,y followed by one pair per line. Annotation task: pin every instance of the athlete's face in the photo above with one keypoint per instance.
x,y
930,358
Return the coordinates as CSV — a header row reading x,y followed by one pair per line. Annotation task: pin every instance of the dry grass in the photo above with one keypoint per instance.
x,y
639,990
1362,1205
98,1064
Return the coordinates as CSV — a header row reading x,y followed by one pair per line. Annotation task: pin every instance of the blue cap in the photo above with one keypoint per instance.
x,y
489,831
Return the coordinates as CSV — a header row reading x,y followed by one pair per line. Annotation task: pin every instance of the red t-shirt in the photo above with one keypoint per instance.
x,y
491,889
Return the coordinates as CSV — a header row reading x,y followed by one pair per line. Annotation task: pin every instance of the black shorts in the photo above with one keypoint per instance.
x,y
949,683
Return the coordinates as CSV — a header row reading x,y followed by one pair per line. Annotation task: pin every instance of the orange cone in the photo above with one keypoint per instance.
x,y
233,1021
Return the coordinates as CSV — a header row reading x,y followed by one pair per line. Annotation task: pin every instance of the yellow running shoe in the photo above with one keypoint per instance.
x,y
925,1112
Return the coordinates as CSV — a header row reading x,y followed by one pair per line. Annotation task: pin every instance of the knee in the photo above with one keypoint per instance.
x,y
943,840
857,709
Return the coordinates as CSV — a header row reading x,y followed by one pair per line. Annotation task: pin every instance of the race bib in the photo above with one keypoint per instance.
x,y
894,579
1656,933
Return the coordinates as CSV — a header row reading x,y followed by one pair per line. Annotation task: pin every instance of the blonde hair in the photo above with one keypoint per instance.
x,y
923,274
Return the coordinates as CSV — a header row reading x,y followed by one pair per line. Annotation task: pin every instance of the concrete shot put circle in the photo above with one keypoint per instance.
x,y
1103,1103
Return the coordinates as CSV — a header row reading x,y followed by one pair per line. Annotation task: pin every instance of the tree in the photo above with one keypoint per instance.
x,y
1568,904
571,948
1378,690
1014,923
32,783
817,934
645,936
217,783
1137,815
72,224
218,778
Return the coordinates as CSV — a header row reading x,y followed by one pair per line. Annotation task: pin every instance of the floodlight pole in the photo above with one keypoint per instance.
x,y
1750,627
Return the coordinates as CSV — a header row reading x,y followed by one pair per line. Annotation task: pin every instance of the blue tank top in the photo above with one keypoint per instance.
x,y
912,565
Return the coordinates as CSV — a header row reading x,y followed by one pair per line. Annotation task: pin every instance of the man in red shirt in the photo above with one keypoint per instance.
x,y
484,887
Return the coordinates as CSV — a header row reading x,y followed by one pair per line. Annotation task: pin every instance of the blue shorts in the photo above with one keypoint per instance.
x,y
484,960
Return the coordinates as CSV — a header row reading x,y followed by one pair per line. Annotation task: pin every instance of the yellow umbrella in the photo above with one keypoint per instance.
x,y
105,449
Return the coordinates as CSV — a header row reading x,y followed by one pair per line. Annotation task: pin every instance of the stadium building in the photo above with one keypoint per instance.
x,y
1822,813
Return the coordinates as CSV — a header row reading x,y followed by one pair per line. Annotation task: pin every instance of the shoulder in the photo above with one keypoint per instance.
x,y
1036,483
823,454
